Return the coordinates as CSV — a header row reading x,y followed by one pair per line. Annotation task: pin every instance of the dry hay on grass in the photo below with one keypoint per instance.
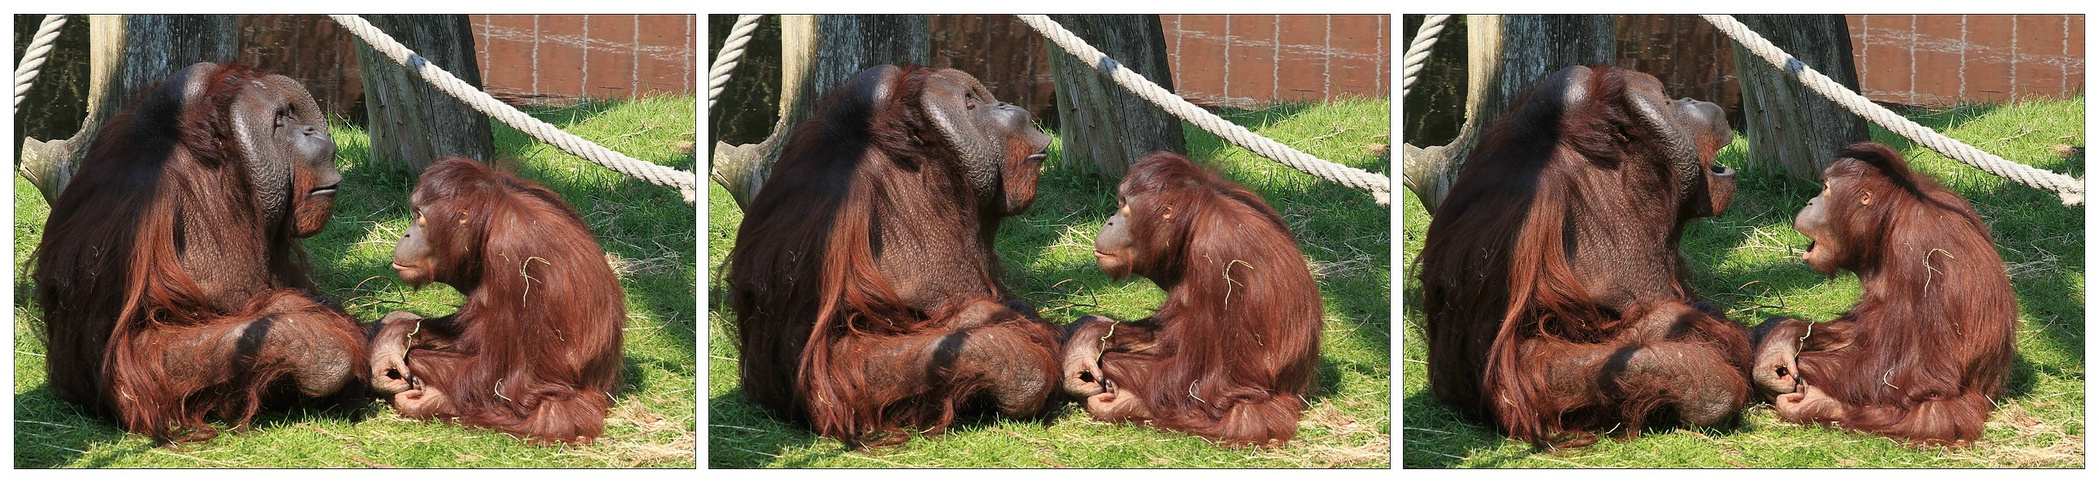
x,y
1356,264
645,445
1342,442
2035,442
663,262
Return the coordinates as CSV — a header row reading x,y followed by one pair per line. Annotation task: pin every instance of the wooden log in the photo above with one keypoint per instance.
x,y
1786,125
411,122
1100,122
127,55
817,53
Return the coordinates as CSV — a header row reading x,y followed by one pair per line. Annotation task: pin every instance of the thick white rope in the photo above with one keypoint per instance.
x,y
1419,50
380,42
732,52
33,57
1379,186
2071,189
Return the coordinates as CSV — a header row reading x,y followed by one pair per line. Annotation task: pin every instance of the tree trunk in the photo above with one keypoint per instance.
x,y
1099,121
127,55
817,53
412,124
1787,125
1506,55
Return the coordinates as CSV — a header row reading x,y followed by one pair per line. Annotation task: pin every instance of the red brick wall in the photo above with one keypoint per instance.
x,y
556,59
530,59
1248,61
1006,55
1917,60
1936,60
311,49
1691,57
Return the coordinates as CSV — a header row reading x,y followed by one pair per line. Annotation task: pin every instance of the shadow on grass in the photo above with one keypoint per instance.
x,y
1256,118
742,436
1940,119
1046,260
563,118
1455,440
2041,242
52,433
368,285
650,230
760,440
1460,439
1060,306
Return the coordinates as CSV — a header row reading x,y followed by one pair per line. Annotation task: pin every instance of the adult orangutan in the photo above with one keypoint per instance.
x,y
1233,351
863,280
170,280
1555,299
535,351
1930,341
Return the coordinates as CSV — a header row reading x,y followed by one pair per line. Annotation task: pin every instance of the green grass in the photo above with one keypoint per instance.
x,y
2039,422
648,230
1049,261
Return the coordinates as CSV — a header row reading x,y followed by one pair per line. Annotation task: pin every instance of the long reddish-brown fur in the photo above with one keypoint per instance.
x,y
535,350
160,180
1513,333
1930,341
1234,350
814,304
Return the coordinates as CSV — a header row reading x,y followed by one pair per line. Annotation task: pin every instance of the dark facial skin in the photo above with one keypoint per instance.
x,y
1002,128
300,133
1813,221
1019,178
1114,248
1775,372
414,259
1002,120
1707,124
1704,126
314,154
